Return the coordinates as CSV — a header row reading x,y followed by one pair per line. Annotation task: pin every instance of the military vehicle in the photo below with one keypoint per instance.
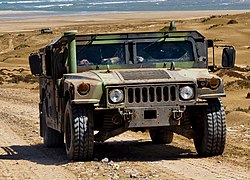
x,y
96,86
46,31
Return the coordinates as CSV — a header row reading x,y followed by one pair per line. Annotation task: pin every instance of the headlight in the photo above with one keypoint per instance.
x,y
186,92
116,95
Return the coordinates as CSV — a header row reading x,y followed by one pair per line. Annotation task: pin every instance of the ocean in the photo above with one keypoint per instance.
x,y
104,6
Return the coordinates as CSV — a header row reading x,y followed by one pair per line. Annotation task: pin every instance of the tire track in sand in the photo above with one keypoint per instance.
x,y
188,166
18,158
10,48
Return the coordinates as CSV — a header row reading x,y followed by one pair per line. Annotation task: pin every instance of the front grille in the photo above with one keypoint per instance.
x,y
151,94
146,96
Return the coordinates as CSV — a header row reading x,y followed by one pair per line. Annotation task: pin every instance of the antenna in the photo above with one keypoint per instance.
x,y
172,66
108,69
172,26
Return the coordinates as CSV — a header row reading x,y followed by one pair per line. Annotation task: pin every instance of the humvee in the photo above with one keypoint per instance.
x,y
46,31
96,86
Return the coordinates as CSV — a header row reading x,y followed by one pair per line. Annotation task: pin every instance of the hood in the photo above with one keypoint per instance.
x,y
139,76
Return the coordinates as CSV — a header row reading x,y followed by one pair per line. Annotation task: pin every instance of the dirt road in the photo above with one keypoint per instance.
x,y
130,155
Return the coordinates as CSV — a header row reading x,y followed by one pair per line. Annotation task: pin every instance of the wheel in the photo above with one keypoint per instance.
x,y
210,127
51,137
161,136
79,134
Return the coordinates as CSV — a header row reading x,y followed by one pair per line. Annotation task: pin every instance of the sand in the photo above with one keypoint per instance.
x,y
22,21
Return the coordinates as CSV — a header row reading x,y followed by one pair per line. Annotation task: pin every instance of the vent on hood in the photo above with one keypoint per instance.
x,y
148,74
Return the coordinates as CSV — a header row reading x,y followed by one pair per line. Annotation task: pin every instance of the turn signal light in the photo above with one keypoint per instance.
x,y
214,83
83,88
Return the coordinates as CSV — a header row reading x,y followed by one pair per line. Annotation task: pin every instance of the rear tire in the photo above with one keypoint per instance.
x,y
161,136
210,127
79,134
51,137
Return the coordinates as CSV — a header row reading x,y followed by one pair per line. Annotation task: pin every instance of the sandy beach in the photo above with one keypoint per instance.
x,y
26,21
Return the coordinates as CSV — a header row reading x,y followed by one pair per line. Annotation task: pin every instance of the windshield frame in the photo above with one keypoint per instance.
x,y
128,53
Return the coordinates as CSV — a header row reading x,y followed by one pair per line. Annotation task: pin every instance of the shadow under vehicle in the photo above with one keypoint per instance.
x,y
93,87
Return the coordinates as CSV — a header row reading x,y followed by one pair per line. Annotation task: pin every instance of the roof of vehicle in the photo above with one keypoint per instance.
x,y
128,36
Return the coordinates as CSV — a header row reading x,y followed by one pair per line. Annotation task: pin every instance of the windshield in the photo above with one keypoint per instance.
x,y
100,54
146,52
156,52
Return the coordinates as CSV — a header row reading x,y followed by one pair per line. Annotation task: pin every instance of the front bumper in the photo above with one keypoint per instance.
x,y
155,117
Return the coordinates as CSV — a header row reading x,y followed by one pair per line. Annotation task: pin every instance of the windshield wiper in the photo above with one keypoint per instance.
x,y
89,43
151,44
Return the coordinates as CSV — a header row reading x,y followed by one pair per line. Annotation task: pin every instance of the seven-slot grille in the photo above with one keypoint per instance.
x,y
150,95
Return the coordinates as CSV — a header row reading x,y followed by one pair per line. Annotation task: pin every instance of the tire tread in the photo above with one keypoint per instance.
x,y
213,139
83,143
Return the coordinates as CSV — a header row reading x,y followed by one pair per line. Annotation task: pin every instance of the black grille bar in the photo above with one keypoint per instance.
x,y
151,94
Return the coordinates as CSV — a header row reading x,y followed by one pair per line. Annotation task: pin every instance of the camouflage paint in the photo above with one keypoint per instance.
x,y
99,79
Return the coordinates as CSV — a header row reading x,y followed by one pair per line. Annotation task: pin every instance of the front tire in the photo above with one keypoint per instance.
x,y
210,127
79,134
161,136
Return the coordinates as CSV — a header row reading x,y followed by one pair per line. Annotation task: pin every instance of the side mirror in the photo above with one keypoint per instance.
x,y
228,57
35,64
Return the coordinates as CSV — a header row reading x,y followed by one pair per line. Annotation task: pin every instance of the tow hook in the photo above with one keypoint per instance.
x,y
127,115
178,113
